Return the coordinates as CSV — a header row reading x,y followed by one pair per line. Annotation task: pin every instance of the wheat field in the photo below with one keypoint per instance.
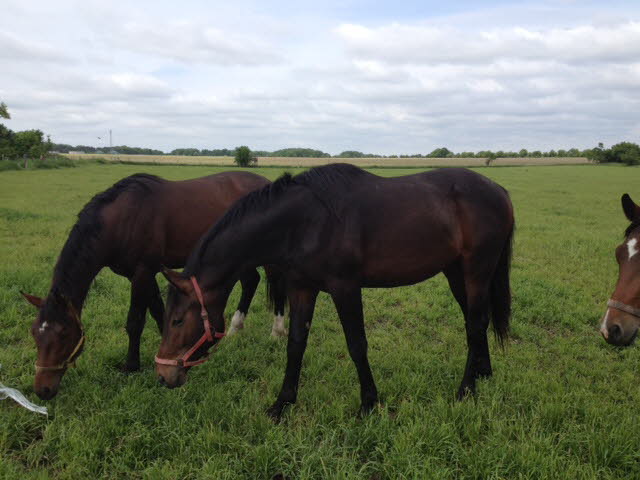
x,y
312,162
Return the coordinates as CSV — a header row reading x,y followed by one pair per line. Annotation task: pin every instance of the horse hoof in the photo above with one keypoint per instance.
x,y
464,392
275,411
130,368
279,333
365,411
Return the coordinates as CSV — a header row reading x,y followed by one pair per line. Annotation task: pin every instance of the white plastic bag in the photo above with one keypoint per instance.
x,y
6,392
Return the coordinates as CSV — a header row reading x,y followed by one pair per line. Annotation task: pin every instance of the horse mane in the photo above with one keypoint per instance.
x,y
635,224
78,251
327,183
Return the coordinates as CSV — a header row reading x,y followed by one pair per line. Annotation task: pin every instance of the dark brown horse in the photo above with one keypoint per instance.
x,y
338,229
622,319
136,226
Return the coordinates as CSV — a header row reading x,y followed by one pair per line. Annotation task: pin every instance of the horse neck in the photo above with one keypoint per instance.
x,y
253,242
75,271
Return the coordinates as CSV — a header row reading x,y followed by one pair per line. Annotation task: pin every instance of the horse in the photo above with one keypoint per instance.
x,y
621,320
337,229
135,227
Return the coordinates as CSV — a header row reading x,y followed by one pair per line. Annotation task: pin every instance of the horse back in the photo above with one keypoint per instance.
x,y
161,226
406,229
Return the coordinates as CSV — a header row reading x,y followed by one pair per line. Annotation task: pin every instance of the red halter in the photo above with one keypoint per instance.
x,y
206,336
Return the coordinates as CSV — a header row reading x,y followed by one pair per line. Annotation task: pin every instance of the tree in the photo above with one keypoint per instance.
x,y
490,158
625,152
4,113
441,152
244,157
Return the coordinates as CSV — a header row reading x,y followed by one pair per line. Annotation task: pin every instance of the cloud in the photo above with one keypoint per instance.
x,y
426,44
224,75
191,42
17,49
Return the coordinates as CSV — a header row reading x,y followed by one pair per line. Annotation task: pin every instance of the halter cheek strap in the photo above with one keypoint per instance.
x,y
71,359
623,307
207,336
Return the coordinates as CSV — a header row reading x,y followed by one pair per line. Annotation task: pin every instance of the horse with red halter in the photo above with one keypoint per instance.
x,y
621,320
136,226
337,229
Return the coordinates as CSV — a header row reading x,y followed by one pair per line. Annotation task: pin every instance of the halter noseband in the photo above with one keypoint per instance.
x,y
71,359
623,307
207,336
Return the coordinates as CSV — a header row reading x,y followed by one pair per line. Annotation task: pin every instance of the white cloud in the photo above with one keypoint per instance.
x,y
221,75
192,42
418,44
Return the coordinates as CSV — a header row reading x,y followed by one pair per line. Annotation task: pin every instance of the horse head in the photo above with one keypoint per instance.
x,y
59,338
621,321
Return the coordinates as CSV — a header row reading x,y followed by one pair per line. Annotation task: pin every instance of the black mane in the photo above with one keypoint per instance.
x,y
635,224
328,183
78,251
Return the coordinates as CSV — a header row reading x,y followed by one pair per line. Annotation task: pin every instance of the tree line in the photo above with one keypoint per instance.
x,y
622,152
33,144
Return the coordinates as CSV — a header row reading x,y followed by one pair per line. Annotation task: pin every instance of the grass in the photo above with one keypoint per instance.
x,y
312,162
561,404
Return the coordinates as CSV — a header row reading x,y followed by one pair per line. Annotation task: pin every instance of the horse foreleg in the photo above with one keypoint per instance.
x,y
349,307
136,319
156,305
302,303
249,281
278,295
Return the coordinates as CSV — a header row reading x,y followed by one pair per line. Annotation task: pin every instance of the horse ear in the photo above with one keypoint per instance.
x,y
631,210
177,280
33,300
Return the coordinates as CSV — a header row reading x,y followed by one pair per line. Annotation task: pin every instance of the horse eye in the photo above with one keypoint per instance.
x,y
178,321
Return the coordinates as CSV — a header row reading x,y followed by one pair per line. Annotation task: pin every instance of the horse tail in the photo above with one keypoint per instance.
x,y
276,287
500,292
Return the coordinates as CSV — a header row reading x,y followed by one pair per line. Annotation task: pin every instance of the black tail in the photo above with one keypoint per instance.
x,y
500,292
276,289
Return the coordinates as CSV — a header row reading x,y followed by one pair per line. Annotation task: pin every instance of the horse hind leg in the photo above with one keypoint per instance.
x,y
477,281
249,281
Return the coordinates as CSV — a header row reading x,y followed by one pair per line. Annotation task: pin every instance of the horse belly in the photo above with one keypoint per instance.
x,y
398,258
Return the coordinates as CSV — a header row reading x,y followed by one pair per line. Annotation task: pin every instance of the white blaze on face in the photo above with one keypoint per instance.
x,y
603,328
631,246
237,322
43,326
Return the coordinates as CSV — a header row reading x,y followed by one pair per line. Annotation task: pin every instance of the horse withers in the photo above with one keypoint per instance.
x,y
135,227
337,229
621,320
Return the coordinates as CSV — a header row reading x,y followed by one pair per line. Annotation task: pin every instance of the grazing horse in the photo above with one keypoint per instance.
x,y
135,227
621,320
337,229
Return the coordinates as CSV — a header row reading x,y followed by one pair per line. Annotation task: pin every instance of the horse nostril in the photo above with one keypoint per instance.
x,y
162,380
615,332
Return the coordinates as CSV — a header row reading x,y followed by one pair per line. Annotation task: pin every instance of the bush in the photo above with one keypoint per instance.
x,y
244,157
9,165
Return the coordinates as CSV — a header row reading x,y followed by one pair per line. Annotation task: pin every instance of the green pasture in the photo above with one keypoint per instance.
x,y
561,404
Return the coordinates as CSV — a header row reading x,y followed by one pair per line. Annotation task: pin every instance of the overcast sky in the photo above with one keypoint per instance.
x,y
380,77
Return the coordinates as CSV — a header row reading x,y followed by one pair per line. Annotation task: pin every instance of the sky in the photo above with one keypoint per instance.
x,y
378,77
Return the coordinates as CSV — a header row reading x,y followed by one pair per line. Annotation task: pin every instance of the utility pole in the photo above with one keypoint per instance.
x,y
110,142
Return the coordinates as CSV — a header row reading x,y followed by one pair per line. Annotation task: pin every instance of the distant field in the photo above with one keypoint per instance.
x,y
562,404
311,162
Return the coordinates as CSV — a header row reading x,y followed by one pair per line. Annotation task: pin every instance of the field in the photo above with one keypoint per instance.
x,y
561,404
313,162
